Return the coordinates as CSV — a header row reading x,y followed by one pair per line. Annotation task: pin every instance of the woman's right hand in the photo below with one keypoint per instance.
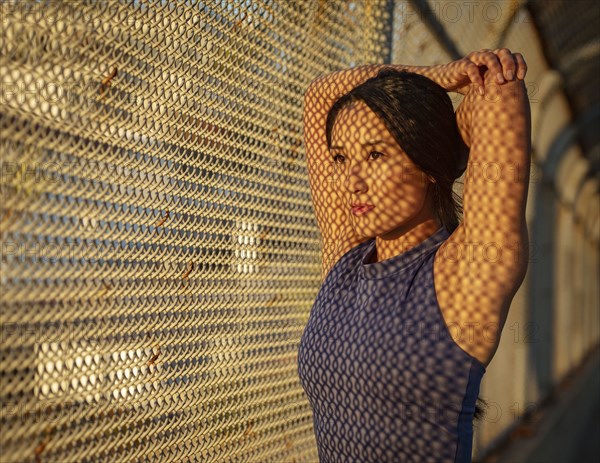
x,y
458,76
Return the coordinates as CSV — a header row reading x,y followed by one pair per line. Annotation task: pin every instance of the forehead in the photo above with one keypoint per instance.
x,y
358,122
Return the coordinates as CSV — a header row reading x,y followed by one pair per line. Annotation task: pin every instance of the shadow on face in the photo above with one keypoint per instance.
x,y
376,172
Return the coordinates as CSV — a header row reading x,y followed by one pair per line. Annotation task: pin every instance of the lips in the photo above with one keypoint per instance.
x,y
360,209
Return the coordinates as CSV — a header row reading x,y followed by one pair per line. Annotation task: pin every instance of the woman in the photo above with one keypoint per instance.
x,y
414,301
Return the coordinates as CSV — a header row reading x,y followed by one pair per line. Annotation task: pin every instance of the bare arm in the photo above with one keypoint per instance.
x,y
497,128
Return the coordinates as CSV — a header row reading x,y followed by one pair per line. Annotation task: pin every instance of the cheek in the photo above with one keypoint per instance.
x,y
399,180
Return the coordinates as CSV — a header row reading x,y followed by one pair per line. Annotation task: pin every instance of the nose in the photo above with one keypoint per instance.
x,y
355,179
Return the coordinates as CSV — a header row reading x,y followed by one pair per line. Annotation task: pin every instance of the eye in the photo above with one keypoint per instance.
x,y
337,156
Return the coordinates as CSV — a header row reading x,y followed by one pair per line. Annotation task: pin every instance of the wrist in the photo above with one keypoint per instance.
x,y
431,72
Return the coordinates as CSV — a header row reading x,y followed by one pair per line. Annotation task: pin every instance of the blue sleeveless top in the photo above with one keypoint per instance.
x,y
385,380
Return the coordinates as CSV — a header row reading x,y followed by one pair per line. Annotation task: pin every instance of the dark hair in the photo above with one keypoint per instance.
x,y
419,115
480,408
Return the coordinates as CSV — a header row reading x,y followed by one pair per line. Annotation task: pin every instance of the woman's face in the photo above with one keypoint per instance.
x,y
374,170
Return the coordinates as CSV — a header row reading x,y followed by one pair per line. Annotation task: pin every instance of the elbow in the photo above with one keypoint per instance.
x,y
310,94
312,89
309,89
316,84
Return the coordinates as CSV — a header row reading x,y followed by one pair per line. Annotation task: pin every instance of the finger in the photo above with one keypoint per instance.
x,y
521,66
474,76
508,63
490,60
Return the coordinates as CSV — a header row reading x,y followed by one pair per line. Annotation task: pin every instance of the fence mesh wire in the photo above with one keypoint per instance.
x,y
159,248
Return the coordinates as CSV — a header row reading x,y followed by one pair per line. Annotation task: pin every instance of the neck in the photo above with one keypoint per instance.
x,y
400,241
409,234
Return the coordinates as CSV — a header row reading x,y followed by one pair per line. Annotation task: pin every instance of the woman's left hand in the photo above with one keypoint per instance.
x,y
458,76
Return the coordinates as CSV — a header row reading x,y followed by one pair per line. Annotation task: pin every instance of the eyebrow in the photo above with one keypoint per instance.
x,y
369,143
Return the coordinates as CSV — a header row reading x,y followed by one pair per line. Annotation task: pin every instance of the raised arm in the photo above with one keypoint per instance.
x,y
497,128
493,236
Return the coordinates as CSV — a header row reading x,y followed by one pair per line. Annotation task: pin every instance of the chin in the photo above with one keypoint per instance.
x,y
370,234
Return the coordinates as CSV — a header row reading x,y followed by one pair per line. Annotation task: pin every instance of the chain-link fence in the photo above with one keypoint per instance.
x,y
159,248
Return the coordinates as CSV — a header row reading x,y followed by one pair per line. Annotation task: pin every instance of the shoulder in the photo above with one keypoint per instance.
x,y
349,260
